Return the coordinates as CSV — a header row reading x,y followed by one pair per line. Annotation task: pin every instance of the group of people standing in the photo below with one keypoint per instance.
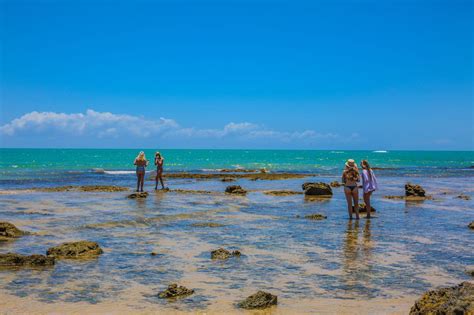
x,y
141,163
351,178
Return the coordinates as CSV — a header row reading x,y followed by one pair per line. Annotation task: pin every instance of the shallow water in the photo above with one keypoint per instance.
x,y
335,265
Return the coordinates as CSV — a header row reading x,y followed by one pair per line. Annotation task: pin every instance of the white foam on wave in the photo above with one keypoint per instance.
x,y
119,172
380,151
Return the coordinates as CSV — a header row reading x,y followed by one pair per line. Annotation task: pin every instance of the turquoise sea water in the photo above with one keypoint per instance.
x,y
77,165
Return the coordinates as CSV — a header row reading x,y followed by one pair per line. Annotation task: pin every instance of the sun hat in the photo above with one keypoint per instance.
x,y
350,163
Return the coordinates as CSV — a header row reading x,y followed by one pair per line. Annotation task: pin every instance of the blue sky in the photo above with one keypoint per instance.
x,y
237,74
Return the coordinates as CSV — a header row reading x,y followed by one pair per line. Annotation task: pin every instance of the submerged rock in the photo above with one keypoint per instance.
x,y
471,225
335,184
251,176
89,188
17,260
315,216
207,224
9,231
470,272
80,249
464,197
282,193
414,190
235,189
259,300
317,189
222,253
363,208
453,300
175,291
409,198
138,195
227,179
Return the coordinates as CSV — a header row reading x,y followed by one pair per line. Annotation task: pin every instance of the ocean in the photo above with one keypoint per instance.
x,y
332,266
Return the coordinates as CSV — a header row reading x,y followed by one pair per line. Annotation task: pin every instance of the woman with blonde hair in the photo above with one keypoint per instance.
x,y
369,184
350,178
159,160
141,163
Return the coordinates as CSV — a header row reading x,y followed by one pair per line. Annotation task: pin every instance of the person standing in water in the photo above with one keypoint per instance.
x,y
350,178
369,184
141,163
159,160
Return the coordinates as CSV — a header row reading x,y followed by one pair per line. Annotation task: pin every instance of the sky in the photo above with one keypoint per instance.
x,y
381,75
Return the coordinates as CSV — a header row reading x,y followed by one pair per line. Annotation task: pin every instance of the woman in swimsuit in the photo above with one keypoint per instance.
x,y
350,178
141,163
369,184
159,160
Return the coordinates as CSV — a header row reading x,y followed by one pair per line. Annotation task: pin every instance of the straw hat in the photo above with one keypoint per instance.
x,y
350,163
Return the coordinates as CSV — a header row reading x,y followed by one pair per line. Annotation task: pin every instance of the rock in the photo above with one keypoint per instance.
x,y
317,189
453,300
207,224
414,190
175,291
235,189
409,198
282,193
464,197
17,260
259,300
363,208
315,216
80,249
90,188
227,179
248,175
223,254
335,184
471,225
470,272
138,195
8,231
154,253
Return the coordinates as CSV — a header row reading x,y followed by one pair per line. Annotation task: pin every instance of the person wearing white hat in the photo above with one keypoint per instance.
x,y
350,178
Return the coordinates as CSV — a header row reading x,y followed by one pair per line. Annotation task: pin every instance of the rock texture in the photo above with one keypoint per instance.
x,y
223,254
471,225
363,208
335,184
317,189
90,188
175,291
9,231
464,197
207,224
414,190
316,216
236,190
259,300
80,249
282,193
453,300
17,260
138,195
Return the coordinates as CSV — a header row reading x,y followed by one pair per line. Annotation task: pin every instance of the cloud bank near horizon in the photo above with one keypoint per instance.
x,y
106,125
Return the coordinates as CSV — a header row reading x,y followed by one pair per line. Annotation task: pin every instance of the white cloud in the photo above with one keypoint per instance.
x,y
109,125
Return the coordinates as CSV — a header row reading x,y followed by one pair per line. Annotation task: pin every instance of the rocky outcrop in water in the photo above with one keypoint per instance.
x,y
80,249
363,208
335,184
223,254
409,198
207,224
227,179
236,190
89,188
463,197
317,189
282,193
259,300
9,231
138,195
17,260
315,216
412,190
453,300
251,176
470,272
175,291
471,225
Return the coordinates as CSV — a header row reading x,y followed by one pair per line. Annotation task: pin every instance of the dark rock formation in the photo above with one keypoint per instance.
x,y
8,231
282,193
251,176
259,300
223,254
227,179
80,249
235,189
90,188
315,216
471,225
317,189
138,195
335,184
453,300
17,260
207,224
363,208
464,197
414,190
175,291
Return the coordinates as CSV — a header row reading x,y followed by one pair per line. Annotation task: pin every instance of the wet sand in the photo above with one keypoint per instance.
x,y
378,266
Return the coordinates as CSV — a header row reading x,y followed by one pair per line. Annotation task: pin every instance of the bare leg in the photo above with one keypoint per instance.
x,y
348,194
138,181
156,181
355,196
161,181
368,206
142,181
